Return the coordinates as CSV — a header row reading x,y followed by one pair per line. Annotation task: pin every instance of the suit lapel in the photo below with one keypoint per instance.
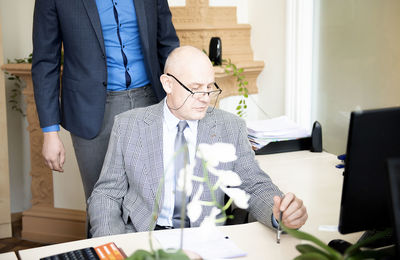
x,y
153,142
91,10
142,24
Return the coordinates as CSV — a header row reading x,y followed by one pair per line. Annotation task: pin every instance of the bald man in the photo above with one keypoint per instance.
x,y
143,142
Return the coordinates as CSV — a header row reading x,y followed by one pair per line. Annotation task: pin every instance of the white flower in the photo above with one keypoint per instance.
x,y
240,197
194,207
227,178
209,221
216,153
188,171
208,227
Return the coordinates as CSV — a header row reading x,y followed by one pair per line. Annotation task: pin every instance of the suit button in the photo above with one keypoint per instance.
x,y
104,57
104,83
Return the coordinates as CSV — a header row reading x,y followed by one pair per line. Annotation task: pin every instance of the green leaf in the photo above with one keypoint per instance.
x,y
312,256
385,252
179,255
240,70
162,255
240,89
238,107
240,102
305,236
246,96
246,82
351,250
245,106
307,248
141,255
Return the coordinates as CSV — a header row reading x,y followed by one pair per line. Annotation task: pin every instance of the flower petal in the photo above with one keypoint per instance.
x,y
188,170
240,197
225,152
209,221
204,152
229,178
216,153
194,207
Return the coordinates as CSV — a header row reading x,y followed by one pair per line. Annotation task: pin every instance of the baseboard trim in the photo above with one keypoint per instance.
x,y
53,225
5,230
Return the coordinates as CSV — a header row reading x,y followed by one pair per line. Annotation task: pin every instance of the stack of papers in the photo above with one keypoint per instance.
x,y
262,132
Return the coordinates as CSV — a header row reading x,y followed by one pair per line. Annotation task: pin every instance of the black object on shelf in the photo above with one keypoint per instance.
x,y
312,143
215,51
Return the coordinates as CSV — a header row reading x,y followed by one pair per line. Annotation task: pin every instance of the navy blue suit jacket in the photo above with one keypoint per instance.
x,y
75,24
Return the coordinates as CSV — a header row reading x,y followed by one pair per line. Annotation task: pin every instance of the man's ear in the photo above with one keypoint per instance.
x,y
166,83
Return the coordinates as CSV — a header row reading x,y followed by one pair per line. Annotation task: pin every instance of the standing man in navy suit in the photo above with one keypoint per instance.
x,y
114,53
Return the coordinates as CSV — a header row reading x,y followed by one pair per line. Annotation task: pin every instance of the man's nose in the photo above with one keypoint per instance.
x,y
204,97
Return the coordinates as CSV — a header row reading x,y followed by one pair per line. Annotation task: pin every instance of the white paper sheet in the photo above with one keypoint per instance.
x,y
262,132
210,245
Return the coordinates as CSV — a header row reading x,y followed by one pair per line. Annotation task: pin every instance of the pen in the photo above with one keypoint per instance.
x,y
279,231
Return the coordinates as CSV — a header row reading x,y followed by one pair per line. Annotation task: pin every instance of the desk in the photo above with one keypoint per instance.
x,y
311,176
8,256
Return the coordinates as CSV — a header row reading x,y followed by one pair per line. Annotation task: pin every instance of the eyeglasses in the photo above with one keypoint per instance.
x,y
213,94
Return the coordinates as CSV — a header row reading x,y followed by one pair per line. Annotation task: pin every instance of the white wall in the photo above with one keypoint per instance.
x,y
268,29
16,20
268,35
358,63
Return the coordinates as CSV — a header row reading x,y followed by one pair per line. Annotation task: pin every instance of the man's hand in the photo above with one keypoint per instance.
x,y
53,151
294,212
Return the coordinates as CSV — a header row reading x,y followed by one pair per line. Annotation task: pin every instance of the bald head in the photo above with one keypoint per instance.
x,y
187,70
185,58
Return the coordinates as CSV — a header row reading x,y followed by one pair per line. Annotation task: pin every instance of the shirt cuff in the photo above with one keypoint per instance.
x,y
52,128
274,222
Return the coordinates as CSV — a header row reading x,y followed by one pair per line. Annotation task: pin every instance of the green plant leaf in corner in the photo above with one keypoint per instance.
x,y
141,255
383,253
307,248
159,254
305,236
351,250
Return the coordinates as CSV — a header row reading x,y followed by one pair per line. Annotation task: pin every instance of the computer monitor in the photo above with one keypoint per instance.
x,y
374,136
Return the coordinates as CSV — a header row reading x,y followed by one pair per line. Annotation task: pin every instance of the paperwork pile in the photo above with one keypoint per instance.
x,y
262,132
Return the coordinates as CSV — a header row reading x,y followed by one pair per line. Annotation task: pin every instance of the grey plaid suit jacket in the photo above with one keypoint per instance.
x,y
124,196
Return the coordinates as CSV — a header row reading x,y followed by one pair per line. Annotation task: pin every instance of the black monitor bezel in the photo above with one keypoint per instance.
x,y
365,201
